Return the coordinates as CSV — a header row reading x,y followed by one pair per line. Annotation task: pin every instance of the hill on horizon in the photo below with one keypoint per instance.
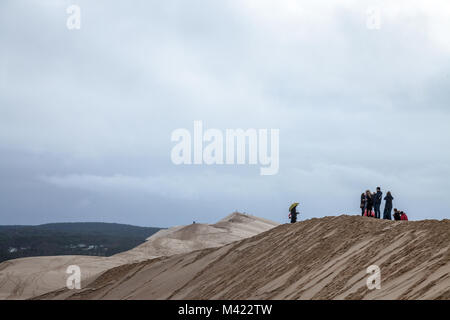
x,y
70,238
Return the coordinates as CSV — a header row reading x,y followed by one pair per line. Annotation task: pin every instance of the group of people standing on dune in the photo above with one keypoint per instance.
x,y
371,204
370,207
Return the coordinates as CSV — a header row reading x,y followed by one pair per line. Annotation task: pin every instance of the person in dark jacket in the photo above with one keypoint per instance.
x,y
396,215
293,214
369,202
363,203
377,202
374,198
388,206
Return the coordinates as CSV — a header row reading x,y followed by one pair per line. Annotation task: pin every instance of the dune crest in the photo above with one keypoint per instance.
x,y
323,258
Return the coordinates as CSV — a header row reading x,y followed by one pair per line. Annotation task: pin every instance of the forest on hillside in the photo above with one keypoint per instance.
x,y
93,239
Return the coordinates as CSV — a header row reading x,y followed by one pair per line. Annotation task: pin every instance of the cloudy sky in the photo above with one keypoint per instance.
x,y
86,115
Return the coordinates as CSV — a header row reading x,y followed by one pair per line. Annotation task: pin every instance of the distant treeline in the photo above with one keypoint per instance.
x,y
86,238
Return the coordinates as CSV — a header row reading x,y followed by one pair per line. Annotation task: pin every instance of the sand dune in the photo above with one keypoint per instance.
x,y
30,277
315,259
197,236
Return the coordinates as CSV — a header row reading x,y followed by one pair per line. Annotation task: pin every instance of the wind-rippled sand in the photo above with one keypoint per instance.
x,y
30,277
322,258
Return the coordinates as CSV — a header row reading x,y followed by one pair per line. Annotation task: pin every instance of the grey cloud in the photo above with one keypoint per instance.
x,y
86,116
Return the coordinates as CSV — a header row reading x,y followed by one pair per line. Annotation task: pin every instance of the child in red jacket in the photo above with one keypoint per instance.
x,y
403,216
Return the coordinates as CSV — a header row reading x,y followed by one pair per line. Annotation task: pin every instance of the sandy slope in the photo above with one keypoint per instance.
x,y
28,277
315,259
192,237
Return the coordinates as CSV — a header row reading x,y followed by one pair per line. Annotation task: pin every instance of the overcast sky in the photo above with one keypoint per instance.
x,y
86,115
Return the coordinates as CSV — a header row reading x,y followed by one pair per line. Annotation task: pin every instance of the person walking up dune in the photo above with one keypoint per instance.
x,y
388,206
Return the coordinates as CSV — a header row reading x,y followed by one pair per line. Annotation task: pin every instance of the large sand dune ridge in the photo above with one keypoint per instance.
x,y
323,258
29,277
